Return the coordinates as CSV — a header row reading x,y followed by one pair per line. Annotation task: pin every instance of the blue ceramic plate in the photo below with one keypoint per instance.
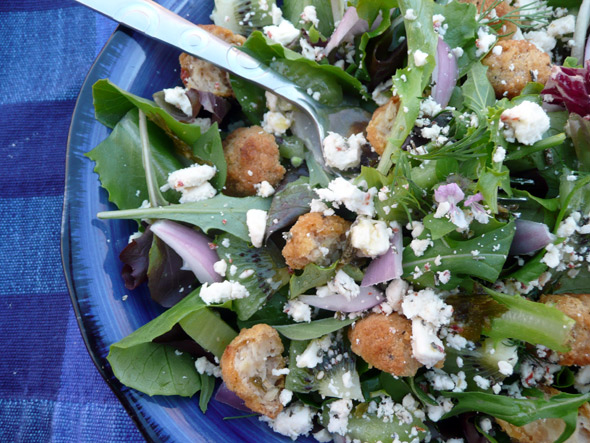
x,y
90,247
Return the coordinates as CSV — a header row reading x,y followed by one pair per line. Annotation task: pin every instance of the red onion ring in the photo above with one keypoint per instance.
x,y
529,237
368,297
387,266
227,397
192,246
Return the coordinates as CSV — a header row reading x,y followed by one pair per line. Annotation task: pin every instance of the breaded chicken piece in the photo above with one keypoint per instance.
x,y
381,123
576,306
519,63
252,156
385,341
503,8
315,238
548,430
203,76
246,368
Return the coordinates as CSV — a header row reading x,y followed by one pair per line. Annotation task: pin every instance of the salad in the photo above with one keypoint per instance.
x,y
426,279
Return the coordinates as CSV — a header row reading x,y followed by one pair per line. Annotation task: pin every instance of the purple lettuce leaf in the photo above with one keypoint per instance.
x,y
569,87
135,260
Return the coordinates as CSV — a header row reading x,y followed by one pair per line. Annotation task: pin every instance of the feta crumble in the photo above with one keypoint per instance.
x,y
370,237
526,123
256,222
343,153
177,97
222,292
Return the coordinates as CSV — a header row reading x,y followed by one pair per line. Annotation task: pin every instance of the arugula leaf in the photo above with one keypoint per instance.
x,y
459,257
119,162
292,10
288,204
489,182
520,411
155,368
270,272
410,82
529,321
220,212
478,93
314,329
311,277
111,103
208,147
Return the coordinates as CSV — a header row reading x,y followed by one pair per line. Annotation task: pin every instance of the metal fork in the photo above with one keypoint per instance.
x,y
312,120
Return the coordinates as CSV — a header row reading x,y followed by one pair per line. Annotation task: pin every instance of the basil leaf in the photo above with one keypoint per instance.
x,y
270,272
314,329
220,212
119,162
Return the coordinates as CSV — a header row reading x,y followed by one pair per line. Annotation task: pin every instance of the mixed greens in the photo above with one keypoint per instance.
x,y
464,209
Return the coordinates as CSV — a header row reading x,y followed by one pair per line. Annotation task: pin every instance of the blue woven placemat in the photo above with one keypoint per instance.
x,y
49,388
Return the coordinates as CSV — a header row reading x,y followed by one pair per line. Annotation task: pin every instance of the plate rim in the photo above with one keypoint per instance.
x,y
65,250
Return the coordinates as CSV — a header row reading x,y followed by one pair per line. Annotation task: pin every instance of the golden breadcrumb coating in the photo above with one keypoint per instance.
x,y
315,238
385,341
252,156
519,63
381,123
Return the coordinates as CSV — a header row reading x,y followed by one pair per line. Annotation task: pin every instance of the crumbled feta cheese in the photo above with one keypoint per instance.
x,y
285,397
298,311
435,412
427,305
323,436
264,189
395,292
256,221
427,348
345,285
505,368
283,33
410,15
582,380
314,353
497,50
342,153
341,191
293,421
220,267
309,15
339,412
276,123
204,366
458,51
192,182
419,246
484,41
541,40
430,107
526,122
177,97
499,154
381,93
420,58
276,103
562,26
370,237
481,382
222,292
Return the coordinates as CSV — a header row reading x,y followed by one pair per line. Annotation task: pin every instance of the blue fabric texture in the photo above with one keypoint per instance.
x,y
49,387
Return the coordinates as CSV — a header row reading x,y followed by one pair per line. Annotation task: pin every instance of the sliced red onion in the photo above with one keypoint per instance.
x,y
445,73
227,397
368,297
387,266
192,246
350,25
529,237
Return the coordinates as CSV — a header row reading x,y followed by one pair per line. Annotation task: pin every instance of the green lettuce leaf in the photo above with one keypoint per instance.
x,y
314,329
292,10
119,162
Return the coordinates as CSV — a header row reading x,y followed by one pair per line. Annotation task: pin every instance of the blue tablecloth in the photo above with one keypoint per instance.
x,y
49,388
